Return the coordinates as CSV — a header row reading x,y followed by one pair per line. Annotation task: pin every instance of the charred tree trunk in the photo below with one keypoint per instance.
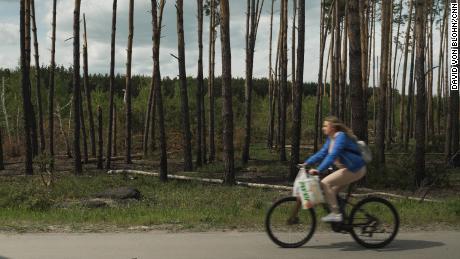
x,y
439,111
283,81
380,140
148,115
356,74
421,92
270,84
186,135
114,130
2,166
410,97
128,122
83,132
319,100
100,137
76,89
156,36
112,85
252,23
364,38
38,79
227,109
51,82
343,67
33,121
403,91
389,99
212,53
293,71
297,89
200,90
87,90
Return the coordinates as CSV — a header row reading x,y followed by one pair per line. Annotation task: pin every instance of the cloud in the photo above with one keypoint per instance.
x,y
10,33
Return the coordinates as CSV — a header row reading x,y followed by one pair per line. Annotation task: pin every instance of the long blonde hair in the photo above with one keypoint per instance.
x,y
338,125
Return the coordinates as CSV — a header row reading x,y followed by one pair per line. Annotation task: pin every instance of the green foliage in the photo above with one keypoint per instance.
x,y
27,206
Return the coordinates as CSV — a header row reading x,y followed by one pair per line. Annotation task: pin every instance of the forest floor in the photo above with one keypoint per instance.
x,y
28,204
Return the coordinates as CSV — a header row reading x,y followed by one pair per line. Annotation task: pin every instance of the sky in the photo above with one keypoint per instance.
x,y
98,18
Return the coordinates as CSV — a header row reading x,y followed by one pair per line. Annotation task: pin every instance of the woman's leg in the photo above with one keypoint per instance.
x,y
333,182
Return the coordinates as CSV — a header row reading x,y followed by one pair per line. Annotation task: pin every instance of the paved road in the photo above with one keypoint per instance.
x,y
220,245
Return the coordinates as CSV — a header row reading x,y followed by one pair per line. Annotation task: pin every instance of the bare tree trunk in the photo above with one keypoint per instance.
x,y
227,109
270,84
297,89
283,85
148,115
33,122
83,131
100,137
343,67
294,12
335,73
443,56
319,100
403,90
76,88
212,53
156,36
37,78
447,100
200,90
421,93
187,146
114,130
276,90
439,82
380,138
87,90
152,144
112,86
395,82
248,81
364,38
51,82
410,97
356,73
252,24
430,121
5,113
331,62
61,128
128,123
2,166
389,100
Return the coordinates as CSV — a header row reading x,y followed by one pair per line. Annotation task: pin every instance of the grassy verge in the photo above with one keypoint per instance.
x,y
27,206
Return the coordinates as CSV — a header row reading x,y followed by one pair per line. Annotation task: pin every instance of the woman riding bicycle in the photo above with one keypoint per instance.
x,y
341,150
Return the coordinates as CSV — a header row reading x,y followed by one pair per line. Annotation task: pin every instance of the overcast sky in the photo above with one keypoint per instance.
x,y
98,19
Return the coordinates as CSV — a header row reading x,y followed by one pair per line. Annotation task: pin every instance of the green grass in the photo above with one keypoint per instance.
x,y
26,205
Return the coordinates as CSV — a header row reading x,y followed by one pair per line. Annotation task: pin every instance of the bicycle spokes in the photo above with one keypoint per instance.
x,y
374,222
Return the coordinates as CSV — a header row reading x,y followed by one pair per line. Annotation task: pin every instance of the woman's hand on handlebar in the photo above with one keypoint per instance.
x,y
313,172
303,165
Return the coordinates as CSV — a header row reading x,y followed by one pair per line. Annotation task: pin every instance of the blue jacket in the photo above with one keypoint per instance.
x,y
345,148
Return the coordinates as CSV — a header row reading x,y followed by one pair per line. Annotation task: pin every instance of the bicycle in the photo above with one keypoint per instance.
x,y
366,221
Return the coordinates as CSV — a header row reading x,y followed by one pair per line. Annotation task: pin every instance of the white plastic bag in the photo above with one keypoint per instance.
x,y
308,188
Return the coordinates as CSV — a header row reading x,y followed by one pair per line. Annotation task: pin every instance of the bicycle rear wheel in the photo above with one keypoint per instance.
x,y
289,234
374,222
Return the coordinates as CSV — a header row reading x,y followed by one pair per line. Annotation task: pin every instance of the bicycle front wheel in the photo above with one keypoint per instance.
x,y
375,222
287,228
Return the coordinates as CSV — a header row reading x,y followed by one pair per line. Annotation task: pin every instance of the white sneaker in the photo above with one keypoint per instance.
x,y
332,217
